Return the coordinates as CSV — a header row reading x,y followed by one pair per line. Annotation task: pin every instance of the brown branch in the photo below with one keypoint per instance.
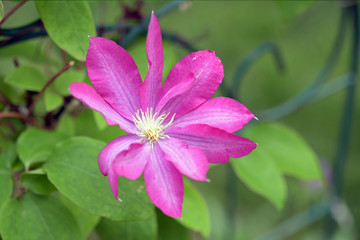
x,y
12,115
63,57
12,11
6,101
26,118
16,62
31,108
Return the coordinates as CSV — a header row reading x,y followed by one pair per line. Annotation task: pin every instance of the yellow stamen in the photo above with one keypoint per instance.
x,y
151,126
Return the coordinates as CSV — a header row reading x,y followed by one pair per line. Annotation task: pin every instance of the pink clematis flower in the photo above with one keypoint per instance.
x,y
174,129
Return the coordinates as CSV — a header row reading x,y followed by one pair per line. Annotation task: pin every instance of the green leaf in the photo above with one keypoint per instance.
x,y
73,169
25,77
85,125
290,10
62,83
7,153
52,100
68,23
85,220
6,185
66,125
14,94
170,229
195,214
139,230
1,10
289,151
30,51
35,145
37,183
36,217
100,120
261,175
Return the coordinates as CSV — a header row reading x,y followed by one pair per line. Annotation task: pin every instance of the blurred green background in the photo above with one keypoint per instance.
x,y
305,32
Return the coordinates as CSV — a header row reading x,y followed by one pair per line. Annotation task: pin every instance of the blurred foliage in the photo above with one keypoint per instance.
x,y
63,155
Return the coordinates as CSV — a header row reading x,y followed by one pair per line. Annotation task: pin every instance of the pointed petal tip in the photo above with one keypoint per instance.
x,y
208,180
175,213
119,199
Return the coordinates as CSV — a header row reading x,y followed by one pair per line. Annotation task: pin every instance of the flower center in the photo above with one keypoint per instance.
x,y
150,125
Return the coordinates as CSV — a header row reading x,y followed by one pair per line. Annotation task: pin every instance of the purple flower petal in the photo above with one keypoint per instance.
x,y
108,155
114,75
191,162
220,112
164,184
91,98
208,72
113,181
130,163
171,96
217,144
150,89
116,146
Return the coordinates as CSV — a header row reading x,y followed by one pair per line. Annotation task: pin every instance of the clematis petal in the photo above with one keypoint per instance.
x,y
191,162
130,163
114,75
116,146
164,184
91,98
171,96
150,89
113,181
217,144
108,155
220,112
208,71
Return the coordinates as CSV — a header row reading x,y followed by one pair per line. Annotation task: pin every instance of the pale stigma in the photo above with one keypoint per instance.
x,y
151,126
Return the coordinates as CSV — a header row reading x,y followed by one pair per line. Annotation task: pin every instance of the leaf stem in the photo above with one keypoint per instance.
x,y
12,11
31,108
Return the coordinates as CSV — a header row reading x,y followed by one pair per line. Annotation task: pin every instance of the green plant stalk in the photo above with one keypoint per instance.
x,y
298,222
347,119
142,26
250,59
308,93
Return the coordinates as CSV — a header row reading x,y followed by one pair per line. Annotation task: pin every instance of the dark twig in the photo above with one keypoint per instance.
x,y
70,64
63,57
12,115
16,62
15,31
11,12
24,117
6,101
